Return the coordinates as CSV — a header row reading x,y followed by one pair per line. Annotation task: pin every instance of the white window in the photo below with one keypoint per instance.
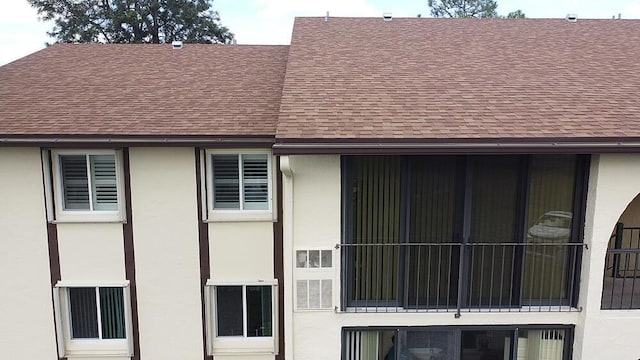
x,y
87,185
241,317
239,185
314,279
93,319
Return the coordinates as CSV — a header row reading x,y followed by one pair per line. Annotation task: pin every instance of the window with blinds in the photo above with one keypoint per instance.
x,y
244,311
97,313
88,182
240,181
500,228
93,320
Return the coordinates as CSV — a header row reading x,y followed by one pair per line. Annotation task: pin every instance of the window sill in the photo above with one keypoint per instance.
x,y
331,309
97,348
89,217
241,345
239,215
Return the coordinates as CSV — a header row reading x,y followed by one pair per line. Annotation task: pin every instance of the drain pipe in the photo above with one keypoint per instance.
x,y
287,249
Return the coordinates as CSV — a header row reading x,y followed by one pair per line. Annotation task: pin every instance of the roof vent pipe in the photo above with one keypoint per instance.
x,y
387,16
326,17
619,16
176,45
572,18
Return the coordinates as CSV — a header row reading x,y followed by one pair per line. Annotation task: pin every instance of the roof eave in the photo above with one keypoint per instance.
x,y
95,141
457,146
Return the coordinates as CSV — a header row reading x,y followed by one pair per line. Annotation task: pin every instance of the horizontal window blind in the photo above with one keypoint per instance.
x,y
75,184
104,182
255,180
226,182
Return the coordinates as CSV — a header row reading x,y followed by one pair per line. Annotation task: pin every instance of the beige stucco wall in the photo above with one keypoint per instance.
x,y
316,196
631,215
26,308
311,221
241,251
91,252
606,334
315,215
163,196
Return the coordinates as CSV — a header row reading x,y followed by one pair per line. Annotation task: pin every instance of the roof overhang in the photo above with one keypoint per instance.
x,y
93,141
455,146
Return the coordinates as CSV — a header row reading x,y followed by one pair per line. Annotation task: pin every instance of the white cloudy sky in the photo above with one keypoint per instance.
x,y
270,21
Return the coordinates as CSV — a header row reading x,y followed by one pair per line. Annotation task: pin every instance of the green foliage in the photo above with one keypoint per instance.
x,y
518,14
463,8
468,9
133,21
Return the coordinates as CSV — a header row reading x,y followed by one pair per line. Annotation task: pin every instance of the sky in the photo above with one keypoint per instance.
x,y
271,21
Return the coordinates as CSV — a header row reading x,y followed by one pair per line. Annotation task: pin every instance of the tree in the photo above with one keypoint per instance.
x,y
463,8
518,14
468,8
133,21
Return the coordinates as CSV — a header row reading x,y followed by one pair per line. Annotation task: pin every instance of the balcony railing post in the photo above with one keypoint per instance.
x,y
460,284
617,245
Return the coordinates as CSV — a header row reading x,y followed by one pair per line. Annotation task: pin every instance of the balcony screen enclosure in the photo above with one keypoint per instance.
x,y
441,232
512,342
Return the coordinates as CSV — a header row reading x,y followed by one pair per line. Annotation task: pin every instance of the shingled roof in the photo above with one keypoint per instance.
x,y
360,82
143,90
434,80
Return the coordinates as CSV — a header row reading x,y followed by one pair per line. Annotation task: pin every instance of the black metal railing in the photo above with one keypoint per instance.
x,y
454,277
621,287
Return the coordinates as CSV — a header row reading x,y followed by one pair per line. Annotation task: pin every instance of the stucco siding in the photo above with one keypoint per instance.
x,y
163,191
606,334
26,308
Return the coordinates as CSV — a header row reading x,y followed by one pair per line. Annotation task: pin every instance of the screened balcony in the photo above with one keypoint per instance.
x,y
621,287
515,342
462,233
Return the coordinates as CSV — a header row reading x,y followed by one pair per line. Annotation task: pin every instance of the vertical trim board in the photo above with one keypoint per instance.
x,y
278,260
203,244
129,255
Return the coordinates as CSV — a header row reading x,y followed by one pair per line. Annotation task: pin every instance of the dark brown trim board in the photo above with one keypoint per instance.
x,y
54,264
52,245
203,243
54,255
278,260
129,255
107,140
361,146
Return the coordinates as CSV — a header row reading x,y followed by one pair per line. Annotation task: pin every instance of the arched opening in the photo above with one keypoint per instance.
x,y
621,285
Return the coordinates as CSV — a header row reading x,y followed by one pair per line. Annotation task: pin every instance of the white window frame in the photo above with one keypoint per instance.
x,y
229,345
55,196
70,347
317,273
212,214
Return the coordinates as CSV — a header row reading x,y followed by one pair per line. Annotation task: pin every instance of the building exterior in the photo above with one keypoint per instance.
x,y
403,189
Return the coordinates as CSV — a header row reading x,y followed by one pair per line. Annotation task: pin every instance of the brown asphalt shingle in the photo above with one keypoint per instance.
x,y
418,78
94,89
